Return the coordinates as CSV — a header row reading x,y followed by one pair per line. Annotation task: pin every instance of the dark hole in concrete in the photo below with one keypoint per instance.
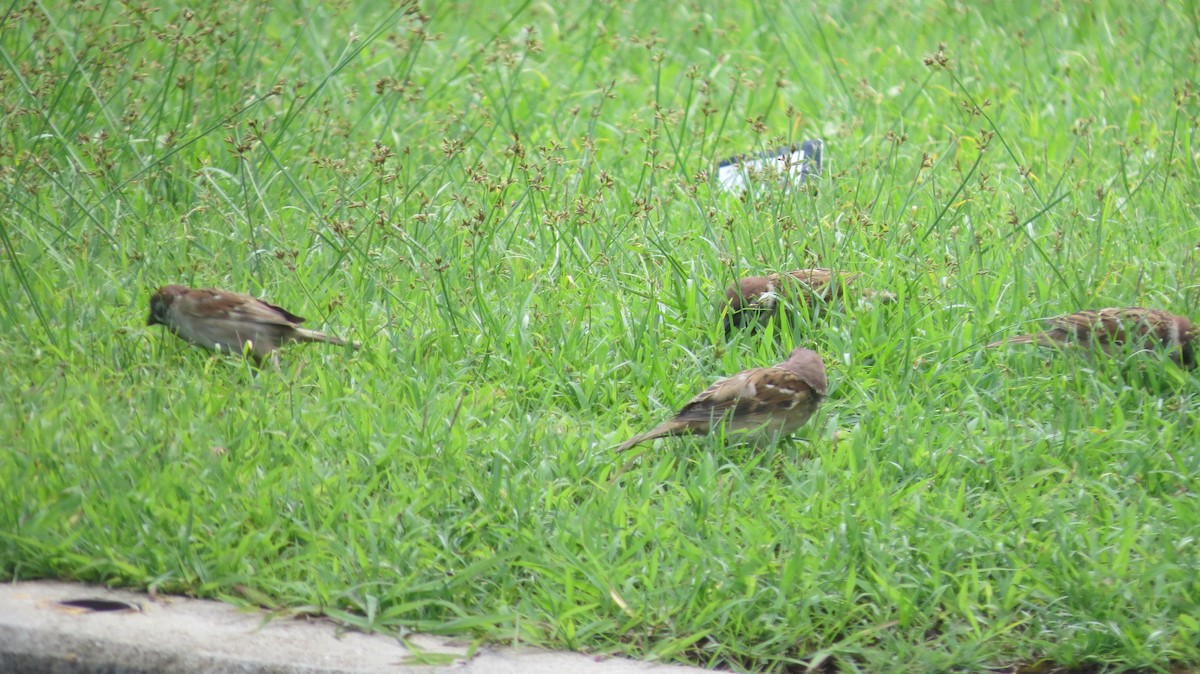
x,y
99,604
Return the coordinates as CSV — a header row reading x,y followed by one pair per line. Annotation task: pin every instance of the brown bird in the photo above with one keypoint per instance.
x,y
765,402
225,321
1114,327
756,299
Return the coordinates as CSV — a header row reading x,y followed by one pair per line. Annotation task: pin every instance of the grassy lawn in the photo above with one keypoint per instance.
x,y
513,206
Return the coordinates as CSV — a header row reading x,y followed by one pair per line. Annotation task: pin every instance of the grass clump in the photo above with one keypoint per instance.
x,y
513,209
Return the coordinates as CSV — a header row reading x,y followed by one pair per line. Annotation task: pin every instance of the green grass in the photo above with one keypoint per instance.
x,y
512,206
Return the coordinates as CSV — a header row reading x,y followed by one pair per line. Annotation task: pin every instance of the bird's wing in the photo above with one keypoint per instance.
x,y
1100,326
220,304
819,282
759,391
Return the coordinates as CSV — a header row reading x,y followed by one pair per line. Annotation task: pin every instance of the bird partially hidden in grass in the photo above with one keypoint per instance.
x,y
225,321
764,403
1114,328
755,300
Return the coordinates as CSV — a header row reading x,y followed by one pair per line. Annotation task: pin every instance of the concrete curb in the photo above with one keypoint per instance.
x,y
39,634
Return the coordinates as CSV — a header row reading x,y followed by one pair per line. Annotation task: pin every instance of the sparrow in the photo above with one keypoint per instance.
x,y
226,321
1114,327
765,402
756,299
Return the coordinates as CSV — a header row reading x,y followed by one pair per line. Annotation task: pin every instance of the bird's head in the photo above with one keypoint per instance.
x,y
161,303
807,364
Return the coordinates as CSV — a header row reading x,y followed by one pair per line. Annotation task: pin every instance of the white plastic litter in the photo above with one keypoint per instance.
x,y
786,166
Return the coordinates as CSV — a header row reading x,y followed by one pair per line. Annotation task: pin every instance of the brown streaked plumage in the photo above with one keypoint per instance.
x,y
767,402
755,299
1136,327
226,321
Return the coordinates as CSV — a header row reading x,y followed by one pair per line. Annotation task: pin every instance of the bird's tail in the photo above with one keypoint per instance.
x,y
304,335
667,428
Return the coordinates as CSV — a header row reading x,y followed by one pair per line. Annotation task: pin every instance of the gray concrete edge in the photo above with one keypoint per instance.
x,y
39,634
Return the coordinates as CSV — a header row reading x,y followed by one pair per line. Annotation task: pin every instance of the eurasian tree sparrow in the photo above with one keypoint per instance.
x,y
756,299
1113,327
765,403
225,321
